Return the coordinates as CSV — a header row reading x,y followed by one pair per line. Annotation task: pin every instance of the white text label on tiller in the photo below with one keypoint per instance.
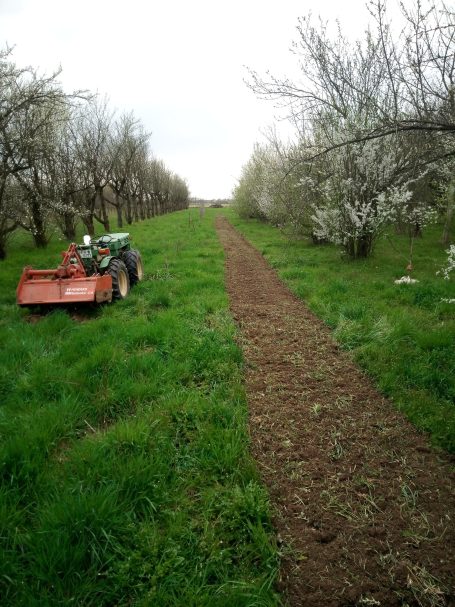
x,y
73,290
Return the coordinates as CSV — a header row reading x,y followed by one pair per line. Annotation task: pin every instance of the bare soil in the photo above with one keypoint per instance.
x,y
364,508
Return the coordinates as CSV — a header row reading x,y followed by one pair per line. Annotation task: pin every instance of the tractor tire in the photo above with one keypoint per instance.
x,y
120,278
134,265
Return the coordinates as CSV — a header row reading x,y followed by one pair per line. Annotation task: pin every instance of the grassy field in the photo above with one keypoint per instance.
x,y
403,335
125,472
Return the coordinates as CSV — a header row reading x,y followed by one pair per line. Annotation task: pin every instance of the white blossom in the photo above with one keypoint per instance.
x,y
405,280
450,262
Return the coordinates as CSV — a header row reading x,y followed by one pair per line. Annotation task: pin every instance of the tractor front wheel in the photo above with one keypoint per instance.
x,y
134,265
120,279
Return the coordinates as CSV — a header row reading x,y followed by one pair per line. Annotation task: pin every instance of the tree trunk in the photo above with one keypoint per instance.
x,y
445,238
129,218
118,207
365,246
69,227
361,247
103,209
148,207
142,207
39,229
2,248
5,230
417,230
88,222
400,228
119,217
40,239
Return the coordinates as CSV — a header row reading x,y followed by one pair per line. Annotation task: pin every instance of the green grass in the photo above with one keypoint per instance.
x,y
402,335
125,472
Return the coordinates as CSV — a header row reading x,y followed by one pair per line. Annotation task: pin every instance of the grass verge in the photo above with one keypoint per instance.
x,y
125,472
402,335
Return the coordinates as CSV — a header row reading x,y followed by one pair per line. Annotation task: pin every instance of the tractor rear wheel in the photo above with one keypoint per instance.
x,y
120,279
134,265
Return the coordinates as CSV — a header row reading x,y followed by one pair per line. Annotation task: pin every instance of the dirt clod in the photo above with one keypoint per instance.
x,y
364,507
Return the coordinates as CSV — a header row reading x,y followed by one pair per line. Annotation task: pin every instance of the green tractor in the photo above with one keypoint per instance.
x,y
99,270
112,254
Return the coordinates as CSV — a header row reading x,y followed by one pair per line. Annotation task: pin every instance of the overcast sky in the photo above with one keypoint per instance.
x,y
179,65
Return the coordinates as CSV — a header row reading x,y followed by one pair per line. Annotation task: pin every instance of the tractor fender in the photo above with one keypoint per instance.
x,y
105,261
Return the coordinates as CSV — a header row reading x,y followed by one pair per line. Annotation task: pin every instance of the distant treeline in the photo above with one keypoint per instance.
x,y
217,202
66,158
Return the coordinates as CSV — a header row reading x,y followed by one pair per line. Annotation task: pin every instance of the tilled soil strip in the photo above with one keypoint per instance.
x,y
364,508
